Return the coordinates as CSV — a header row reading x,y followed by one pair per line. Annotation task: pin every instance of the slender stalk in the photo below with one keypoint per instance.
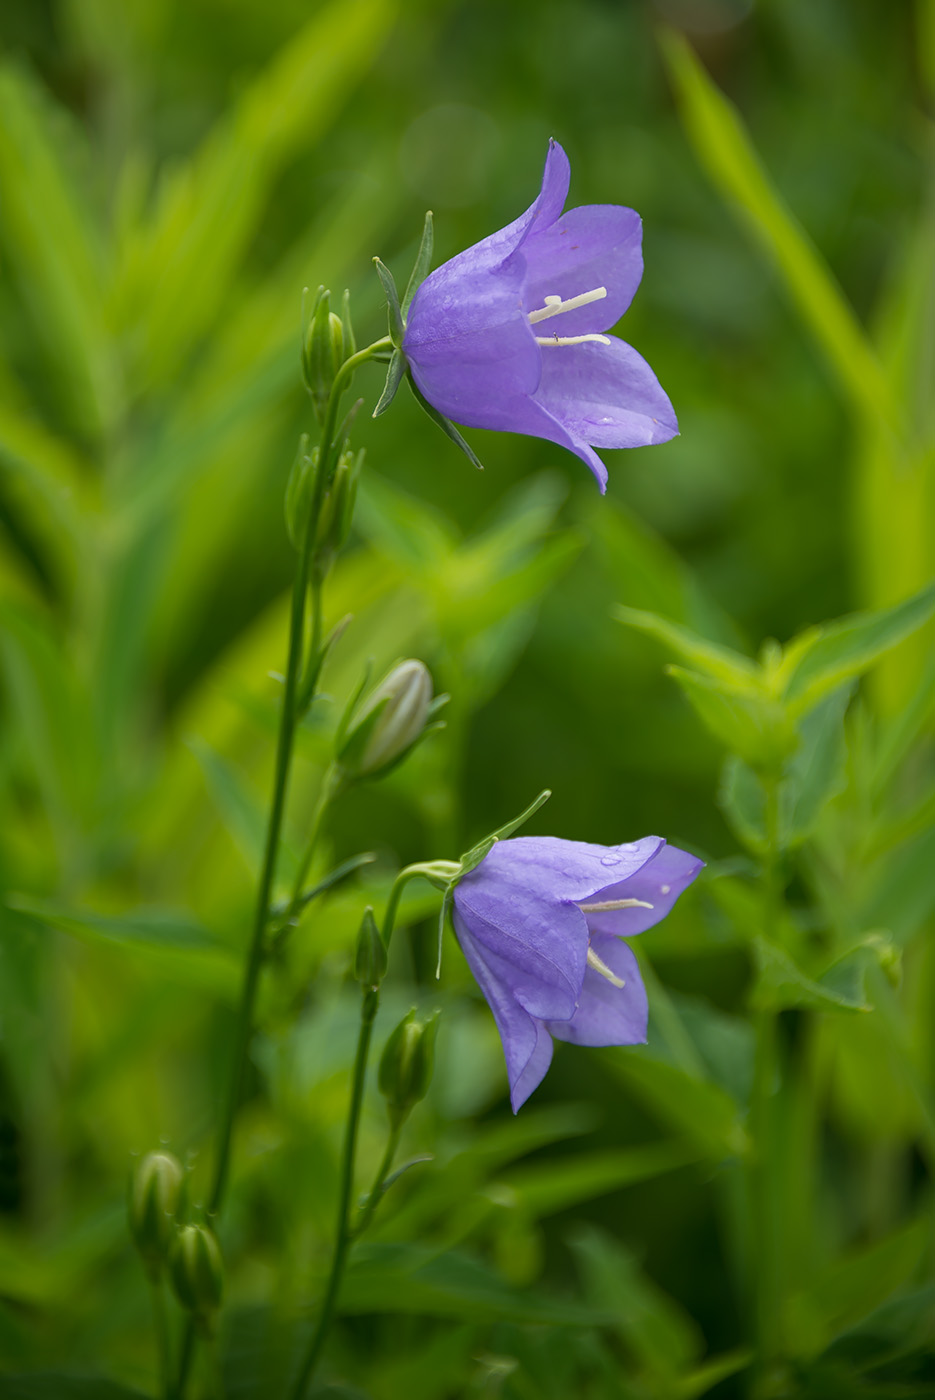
x,y
300,591
368,1011
189,1337
244,1027
765,1227
161,1330
377,1190
307,580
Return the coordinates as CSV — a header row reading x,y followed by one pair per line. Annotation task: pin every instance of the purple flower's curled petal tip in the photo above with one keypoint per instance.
x,y
656,885
510,334
539,921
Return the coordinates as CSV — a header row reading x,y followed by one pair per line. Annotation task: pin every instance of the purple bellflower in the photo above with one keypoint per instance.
x,y
540,921
511,333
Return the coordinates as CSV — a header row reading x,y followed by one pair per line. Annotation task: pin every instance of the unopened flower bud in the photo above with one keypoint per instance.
x,y
323,352
390,723
370,955
407,1063
197,1271
299,490
337,509
155,1194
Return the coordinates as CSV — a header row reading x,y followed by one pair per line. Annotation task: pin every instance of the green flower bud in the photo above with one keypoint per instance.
x,y
323,352
337,509
155,1195
391,722
197,1271
370,955
299,490
406,1065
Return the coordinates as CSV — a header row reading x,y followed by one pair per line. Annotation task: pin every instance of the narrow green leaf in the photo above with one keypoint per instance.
x,y
546,1188
423,262
159,928
394,377
816,772
751,725
698,1109
447,427
743,801
244,815
721,663
781,983
412,1279
395,315
59,1385
177,273
50,238
724,148
850,646
710,1373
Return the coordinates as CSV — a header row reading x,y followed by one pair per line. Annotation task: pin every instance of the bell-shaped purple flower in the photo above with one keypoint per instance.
x,y
511,334
540,922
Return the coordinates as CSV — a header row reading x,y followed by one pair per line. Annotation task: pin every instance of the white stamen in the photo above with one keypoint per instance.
x,y
571,339
605,904
554,306
665,888
602,968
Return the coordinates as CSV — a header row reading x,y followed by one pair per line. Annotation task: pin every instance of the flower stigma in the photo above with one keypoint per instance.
x,y
554,306
601,967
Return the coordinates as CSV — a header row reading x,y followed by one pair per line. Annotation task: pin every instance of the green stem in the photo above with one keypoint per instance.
x,y
378,1189
341,381
189,1337
255,956
161,1330
244,1028
764,1206
368,1011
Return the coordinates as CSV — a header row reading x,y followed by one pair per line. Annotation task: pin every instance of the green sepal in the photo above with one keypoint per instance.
x,y
394,377
351,706
423,261
394,313
447,427
350,342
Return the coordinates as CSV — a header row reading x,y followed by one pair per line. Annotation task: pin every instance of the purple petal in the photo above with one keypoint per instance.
x,y
605,395
598,245
554,869
608,1015
467,340
535,948
527,1047
659,883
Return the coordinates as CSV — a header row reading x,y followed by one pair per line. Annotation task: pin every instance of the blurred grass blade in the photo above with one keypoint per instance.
x,y
46,229
724,148
175,281
731,668
839,650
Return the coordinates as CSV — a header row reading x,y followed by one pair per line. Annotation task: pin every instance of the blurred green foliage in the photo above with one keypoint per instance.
x,y
171,177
